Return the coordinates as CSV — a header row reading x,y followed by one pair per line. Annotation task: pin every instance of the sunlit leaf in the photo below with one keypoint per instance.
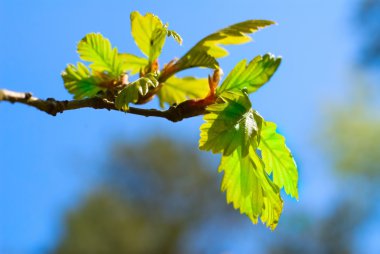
x,y
133,63
96,49
278,159
210,47
177,90
132,92
249,188
79,81
150,34
197,59
230,125
251,76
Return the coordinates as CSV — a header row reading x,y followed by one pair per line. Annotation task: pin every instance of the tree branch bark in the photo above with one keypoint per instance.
x,y
52,106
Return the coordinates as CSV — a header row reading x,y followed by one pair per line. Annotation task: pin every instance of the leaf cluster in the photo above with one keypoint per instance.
x,y
255,160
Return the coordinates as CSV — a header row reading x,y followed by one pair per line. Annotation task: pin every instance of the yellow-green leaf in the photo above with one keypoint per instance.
x,y
96,49
133,63
79,81
177,90
249,188
251,76
150,34
210,46
230,125
198,58
278,159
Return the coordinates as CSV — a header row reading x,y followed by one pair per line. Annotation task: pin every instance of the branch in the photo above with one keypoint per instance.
x,y
186,109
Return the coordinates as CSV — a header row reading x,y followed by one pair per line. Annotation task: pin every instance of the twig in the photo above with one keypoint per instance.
x,y
52,106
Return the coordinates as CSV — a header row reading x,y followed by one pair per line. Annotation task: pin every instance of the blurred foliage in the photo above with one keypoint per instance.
x,y
369,24
355,130
152,198
105,223
331,234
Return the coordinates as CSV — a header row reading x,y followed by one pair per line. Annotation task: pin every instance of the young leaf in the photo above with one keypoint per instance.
x,y
175,36
210,46
157,43
79,81
96,49
150,34
197,59
230,125
251,76
133,63
131,93
278,159
177,90
249,188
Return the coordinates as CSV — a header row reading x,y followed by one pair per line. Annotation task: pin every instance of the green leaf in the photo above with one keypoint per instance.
x,y
230,125
249,188
251,76
278,159
150,34
96,49
197,59
131,93
133,63
210,47
80,82
177,90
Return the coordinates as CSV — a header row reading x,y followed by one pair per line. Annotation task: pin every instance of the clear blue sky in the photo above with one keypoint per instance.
x,y
44,160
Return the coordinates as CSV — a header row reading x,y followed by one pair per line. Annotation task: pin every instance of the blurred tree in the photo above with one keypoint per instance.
x,y
354,126
153,198
331,234
107,224
369,23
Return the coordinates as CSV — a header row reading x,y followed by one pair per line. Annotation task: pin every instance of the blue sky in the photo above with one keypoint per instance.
x,y
45,160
